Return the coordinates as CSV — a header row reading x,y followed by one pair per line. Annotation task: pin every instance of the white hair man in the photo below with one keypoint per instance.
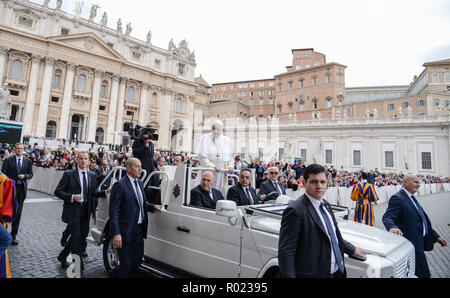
x,y
216,151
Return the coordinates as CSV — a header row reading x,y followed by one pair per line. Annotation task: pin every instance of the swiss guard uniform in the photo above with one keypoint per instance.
x,y
8,208
364,194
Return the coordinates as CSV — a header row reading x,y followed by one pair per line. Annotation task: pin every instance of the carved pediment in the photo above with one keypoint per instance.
x,y
88,42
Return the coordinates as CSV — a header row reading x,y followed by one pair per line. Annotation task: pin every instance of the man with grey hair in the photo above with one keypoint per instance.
x,y
204,195
128,213
405,217
216,151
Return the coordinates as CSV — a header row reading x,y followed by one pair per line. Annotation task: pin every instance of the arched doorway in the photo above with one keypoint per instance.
x,y
177,131
75,127
51,130
99,135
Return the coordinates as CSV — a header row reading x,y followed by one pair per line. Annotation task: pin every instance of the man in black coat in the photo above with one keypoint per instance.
x,y
405,217
144,151
271,185
310,243
242,193
20,169
204,195
78,190
128,214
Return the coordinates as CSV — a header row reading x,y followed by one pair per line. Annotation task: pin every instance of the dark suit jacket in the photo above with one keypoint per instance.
x,y
69,185
304,248
402,214
201,198
267,187
100,177
237,194
145,155
9,168
124,210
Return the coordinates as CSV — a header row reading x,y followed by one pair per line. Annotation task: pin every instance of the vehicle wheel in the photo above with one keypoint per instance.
x,y
273,272
110,255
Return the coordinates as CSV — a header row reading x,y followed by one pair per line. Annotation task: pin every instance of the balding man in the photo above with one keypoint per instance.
x,y
405,217
204,195
272,184
128,214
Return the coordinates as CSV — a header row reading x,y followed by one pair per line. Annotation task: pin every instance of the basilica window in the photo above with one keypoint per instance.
x,y
16,69
356,157
56,80
426,161
130,96
179,106
421,103
81,83
181,69
389,159
329,156
104,89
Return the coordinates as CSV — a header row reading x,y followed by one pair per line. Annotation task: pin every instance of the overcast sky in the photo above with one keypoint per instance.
x,y
382,42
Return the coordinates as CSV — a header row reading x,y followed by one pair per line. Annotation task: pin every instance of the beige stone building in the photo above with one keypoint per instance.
x,y
72,78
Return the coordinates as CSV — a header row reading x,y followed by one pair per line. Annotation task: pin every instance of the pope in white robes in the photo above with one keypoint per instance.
x,y
216,151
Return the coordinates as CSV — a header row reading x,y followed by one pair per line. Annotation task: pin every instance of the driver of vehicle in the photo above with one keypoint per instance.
x,y
205,195
242,193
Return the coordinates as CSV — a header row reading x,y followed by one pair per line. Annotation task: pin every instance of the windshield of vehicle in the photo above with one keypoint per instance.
x,y
277,209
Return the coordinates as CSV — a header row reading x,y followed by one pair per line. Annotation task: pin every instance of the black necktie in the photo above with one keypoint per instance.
x,y
85,187
138,193
250,199
422,214
19,168
334,241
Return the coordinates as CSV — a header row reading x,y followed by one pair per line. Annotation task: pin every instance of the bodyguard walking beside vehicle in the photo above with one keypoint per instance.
x,y
20,169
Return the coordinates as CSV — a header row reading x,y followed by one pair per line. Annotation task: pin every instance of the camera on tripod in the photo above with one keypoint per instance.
x,y
143,133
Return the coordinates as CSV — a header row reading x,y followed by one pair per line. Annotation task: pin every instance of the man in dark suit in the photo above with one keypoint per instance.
x,y
128,215
310,243
242,193
204,195
78,189
405,217
102,172
144,151
20,169
271,185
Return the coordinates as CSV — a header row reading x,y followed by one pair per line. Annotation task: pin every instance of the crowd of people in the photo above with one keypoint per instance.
x,y
291,174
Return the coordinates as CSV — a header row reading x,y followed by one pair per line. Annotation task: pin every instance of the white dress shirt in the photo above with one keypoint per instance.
x,y
141,216
80,175
316,205
409,196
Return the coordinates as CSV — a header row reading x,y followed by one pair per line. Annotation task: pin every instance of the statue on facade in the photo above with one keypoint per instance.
x,y
193,56
104,21
58,4
171,46
119,26
93,12
129,29
5,103
375,113
77,9
149,37
45,3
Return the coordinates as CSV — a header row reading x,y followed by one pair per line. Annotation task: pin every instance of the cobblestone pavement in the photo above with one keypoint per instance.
x,y
41,229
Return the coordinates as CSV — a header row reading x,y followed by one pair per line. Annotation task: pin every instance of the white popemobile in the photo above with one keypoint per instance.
x,y
233,242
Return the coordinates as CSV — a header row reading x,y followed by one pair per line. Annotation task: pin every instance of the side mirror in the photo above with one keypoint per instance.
x,y
227,209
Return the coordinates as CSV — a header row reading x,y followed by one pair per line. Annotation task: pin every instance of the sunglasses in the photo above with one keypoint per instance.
x,y
273,172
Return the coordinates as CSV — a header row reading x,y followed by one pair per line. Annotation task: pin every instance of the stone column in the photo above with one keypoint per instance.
x,y
64,131
94,106
31,95
3,56
45,97
112,110
83,128
119,115
69,126
165,121
143,105
20,114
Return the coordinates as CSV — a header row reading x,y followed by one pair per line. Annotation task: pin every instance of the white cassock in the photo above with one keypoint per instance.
x,y
215,153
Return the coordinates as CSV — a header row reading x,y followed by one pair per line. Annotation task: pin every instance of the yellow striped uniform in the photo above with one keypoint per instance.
x,y
364,194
